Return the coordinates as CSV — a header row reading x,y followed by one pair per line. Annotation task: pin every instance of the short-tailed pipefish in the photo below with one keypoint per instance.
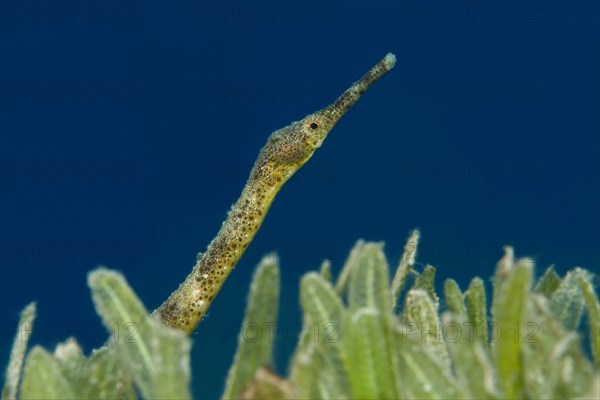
x,y
286,151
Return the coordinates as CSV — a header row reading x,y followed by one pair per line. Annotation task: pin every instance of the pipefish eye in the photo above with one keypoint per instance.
x,y
314,125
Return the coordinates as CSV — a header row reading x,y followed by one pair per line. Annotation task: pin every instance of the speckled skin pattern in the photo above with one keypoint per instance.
x,y
287,149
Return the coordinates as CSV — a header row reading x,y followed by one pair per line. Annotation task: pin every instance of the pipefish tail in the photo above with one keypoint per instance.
x,y
286,151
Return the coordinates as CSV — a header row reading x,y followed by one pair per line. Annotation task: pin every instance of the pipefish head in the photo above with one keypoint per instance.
x,y
289,148
315,127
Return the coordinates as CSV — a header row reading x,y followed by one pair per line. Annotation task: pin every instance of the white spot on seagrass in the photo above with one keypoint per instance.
x,y
489,380
563,345
364,311
410,249
566,372
527,261
506,263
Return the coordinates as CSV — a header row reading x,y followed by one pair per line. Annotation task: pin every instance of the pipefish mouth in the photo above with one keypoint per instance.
x,y
285,152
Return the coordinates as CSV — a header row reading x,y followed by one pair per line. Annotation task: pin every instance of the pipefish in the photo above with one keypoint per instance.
x,y
285,152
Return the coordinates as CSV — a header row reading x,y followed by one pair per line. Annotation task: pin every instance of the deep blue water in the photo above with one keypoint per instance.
x,y
128,129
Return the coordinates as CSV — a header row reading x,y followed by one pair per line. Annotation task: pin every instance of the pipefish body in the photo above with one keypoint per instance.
x,y
285,152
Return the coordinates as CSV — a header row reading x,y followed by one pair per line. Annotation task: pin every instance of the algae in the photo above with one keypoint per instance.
x,y
426,347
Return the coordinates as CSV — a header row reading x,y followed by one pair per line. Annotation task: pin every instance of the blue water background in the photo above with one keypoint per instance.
x,y
128,129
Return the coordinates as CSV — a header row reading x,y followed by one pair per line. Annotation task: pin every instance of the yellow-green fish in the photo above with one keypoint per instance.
x,y
287,150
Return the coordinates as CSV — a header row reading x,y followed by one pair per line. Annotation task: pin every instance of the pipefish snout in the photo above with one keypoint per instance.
x,y
285,152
